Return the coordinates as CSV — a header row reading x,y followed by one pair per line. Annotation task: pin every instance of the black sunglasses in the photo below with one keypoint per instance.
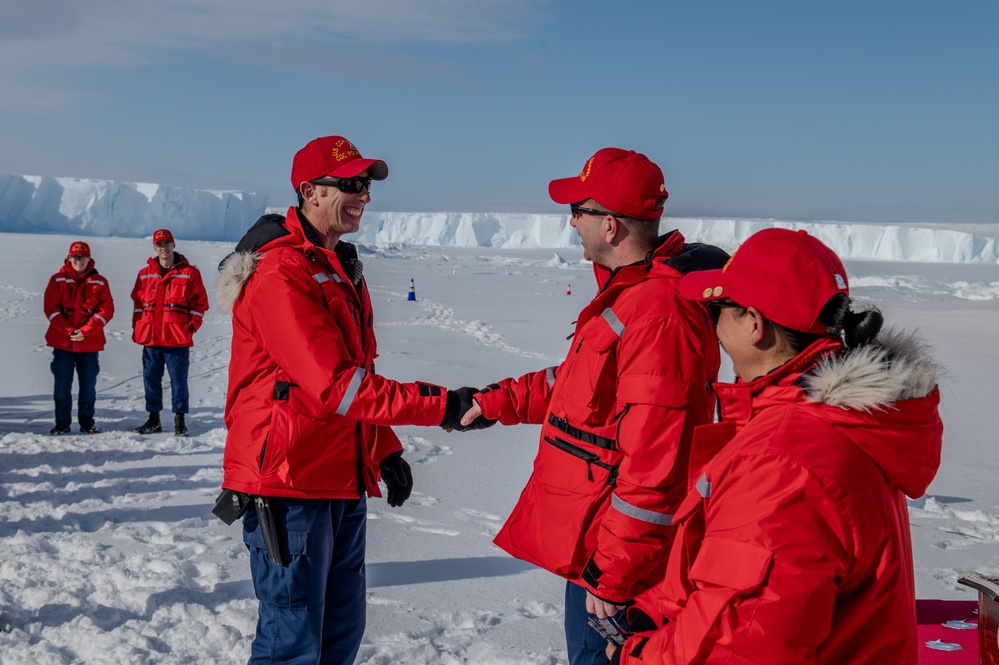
x,y
345,185
579,211
716,306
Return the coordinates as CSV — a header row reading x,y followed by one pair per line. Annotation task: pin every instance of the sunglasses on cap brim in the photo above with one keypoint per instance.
x,y
346,185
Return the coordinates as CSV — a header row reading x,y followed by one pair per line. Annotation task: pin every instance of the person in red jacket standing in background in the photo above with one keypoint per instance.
x,y
170,304
793,543
78,305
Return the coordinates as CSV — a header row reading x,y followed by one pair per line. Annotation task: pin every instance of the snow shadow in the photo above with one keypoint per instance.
x,y
400,573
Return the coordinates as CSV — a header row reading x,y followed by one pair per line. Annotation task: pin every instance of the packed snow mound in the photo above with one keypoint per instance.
x,y
76,206
33,204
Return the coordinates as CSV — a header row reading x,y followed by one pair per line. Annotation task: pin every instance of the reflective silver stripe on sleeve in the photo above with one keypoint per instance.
x,y
97,282
550,373
137,309
63,279
181,275
642,514
201,314
54,314
615,323
348,395
703,486
101,319
149,277
326,277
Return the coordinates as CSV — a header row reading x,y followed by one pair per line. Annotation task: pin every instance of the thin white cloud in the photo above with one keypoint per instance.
x,y
44,41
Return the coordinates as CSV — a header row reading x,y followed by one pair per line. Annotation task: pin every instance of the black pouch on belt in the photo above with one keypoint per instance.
x,y
230,505
268,529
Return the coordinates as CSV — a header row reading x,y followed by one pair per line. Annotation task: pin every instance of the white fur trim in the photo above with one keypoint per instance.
x,y
235,273
897,366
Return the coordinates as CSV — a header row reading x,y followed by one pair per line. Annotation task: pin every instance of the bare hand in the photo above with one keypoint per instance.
x,y
76,336
601,608
474,412
611,648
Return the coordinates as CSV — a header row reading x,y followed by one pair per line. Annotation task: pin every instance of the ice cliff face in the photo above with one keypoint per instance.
x,y
31,204
849,240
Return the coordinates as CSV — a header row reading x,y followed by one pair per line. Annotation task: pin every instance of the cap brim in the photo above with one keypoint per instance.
x,y
703,285
567,190
376,168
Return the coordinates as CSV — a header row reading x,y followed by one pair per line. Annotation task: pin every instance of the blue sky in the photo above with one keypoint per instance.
x,y
869,111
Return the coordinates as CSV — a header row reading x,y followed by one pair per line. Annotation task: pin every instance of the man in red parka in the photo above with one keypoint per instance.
x,y
616,415
170,304
308,417
78,305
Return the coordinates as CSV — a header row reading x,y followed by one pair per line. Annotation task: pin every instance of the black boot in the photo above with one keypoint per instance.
x,y
151,426
90,429
59,430
179,428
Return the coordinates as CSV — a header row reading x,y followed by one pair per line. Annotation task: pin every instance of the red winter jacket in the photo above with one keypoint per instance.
x,y
77,302
617,416
306,413
793,546
169,307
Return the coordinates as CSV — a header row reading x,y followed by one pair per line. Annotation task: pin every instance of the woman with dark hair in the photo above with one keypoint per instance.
x,y
793,544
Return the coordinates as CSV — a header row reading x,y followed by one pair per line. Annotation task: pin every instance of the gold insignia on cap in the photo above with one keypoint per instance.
x,y
348,150
662,188
586,169
706,294
717,291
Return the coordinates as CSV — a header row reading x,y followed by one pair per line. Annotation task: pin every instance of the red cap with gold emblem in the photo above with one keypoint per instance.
x,y
623,181
79,248
333,156
162,235
788,275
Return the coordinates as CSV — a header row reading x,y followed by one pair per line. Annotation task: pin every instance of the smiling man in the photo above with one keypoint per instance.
x,y
308,418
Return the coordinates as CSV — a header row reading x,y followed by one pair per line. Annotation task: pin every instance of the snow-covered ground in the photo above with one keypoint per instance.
x,y
109,552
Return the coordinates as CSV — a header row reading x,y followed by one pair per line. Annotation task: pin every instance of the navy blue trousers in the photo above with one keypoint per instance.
x,y
586,646
312,609
85,364
176,359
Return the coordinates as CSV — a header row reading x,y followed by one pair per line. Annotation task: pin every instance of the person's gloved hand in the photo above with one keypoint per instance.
x,y
458,403
398,479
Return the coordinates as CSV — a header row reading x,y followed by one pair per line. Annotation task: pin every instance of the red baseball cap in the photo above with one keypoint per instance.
x,y
332,156
79,248
623,181
788,275
162,235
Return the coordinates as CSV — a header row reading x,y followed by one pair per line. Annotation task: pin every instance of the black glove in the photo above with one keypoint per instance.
x,y
398,479
458,403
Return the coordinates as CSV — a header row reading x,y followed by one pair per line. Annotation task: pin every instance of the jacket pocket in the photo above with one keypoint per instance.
x,y
306,453
549,526
731,564
590,381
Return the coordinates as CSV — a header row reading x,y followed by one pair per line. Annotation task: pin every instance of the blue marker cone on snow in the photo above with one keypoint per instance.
x,y
412,290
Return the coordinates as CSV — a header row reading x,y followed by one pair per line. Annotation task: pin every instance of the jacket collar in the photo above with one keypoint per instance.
x,y
666,246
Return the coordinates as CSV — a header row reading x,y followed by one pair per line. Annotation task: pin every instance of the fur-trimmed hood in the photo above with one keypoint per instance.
x,y
882,396
234,272
873,376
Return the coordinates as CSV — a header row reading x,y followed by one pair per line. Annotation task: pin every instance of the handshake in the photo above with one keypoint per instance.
x,y
461,407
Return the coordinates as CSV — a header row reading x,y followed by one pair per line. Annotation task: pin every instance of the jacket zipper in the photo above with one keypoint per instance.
x,y
586,456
